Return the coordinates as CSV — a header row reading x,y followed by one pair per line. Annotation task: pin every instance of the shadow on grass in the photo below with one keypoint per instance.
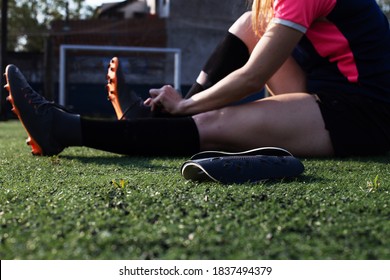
x,y
377,159
302,179
161,163
363,159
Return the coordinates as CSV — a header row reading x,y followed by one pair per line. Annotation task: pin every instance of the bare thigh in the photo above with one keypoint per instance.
x,y
290,121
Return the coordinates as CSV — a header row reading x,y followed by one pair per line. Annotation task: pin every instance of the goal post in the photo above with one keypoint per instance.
x,y
92,48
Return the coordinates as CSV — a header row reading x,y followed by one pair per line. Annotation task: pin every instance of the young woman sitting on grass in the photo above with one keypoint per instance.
x,y
326,64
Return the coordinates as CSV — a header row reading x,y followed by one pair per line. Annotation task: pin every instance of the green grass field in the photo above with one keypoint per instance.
x,y
87,204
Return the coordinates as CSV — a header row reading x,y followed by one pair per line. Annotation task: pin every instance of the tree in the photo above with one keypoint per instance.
x,y
29,20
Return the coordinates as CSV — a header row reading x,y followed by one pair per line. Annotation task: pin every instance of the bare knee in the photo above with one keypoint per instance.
x,y
242,28
211,126
243,19
210,121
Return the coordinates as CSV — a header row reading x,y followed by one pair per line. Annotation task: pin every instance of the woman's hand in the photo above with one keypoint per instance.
x,y
165,99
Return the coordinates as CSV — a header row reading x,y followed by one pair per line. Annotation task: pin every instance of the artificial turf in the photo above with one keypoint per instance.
x,y
88,204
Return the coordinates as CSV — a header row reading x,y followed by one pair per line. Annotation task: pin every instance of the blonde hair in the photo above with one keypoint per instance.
x,y
262,12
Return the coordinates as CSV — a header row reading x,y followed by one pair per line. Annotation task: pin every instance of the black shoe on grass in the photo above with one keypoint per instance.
x,y
38,116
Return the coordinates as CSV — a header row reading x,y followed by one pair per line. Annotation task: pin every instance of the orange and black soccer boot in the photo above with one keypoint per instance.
x,y
48,125
127,104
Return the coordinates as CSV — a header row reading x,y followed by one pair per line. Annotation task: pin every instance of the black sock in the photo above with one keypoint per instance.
x,y
66,127
142,137
230,55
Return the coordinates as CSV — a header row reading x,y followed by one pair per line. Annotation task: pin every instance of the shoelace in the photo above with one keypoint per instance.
x,y
39,102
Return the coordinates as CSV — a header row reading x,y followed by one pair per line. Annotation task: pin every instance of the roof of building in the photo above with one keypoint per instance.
x,y
147,32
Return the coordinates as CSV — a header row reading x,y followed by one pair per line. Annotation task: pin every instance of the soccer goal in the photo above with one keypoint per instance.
x,y
141,65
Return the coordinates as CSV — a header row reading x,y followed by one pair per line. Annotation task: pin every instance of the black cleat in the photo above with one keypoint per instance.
x,y
37,115
127,104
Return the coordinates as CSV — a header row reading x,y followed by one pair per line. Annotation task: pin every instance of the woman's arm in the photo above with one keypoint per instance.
x,y
270,53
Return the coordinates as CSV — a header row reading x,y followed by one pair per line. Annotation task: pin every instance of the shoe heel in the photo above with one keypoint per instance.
x,y
35,149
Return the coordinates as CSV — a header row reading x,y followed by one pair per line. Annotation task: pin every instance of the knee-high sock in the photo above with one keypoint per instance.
x,y
142,137
230,55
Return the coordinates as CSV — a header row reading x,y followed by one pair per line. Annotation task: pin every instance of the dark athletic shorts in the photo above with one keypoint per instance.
x,y
358,125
